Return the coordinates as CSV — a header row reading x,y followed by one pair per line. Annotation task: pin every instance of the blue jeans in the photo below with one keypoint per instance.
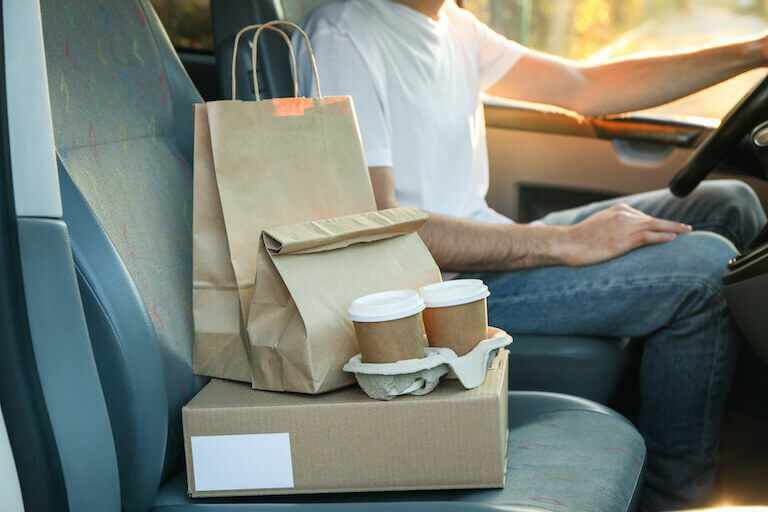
x,y
667,295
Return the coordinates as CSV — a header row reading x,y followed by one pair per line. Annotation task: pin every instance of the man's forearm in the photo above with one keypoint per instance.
x,y
463,245
630,83
640,82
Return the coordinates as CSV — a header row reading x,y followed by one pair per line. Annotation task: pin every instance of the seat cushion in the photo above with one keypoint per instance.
x,y
564,453
570,460
577,365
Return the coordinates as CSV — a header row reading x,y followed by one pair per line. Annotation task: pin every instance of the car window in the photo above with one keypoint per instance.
x,y
188,23
591,30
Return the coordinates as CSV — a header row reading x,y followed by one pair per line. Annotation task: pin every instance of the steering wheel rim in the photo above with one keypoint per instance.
x,y
740,120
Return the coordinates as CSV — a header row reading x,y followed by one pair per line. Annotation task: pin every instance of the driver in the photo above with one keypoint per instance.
x,y
646,266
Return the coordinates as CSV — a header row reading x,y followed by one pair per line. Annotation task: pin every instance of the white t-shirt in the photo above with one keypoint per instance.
x,y
416,85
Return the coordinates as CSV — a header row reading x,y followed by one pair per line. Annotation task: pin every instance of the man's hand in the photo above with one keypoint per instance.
x,y
612,232
463,245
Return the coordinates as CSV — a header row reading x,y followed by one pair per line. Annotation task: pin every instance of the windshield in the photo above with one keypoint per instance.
x,y
593,30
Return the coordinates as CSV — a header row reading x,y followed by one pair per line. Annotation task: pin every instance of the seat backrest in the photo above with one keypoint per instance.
x,y
274,72
297,10
122,112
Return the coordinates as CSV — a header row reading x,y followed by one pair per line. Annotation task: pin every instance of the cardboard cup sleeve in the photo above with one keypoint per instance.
x,y
389,326
456,314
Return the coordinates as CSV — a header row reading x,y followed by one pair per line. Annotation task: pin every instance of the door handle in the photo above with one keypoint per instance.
x,y
641,153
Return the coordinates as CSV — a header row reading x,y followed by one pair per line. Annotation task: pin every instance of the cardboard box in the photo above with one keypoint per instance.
x,y
243,442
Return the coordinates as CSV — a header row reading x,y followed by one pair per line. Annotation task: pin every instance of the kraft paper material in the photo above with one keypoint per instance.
x,y
259,165
343,441
391,341
309,273
459,328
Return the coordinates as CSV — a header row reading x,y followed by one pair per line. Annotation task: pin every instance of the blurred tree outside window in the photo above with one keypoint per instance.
x,y
594,30
188,23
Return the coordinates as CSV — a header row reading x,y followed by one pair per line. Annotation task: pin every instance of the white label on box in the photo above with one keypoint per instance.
x,y
238,462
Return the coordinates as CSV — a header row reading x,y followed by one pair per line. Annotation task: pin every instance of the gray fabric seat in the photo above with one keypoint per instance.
x,y
563,453
122,111
584,366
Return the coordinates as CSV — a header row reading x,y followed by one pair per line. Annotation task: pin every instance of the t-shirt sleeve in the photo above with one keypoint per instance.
x,y
343,72
496,55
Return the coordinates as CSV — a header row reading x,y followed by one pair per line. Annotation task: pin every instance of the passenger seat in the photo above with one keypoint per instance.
x,y
122,111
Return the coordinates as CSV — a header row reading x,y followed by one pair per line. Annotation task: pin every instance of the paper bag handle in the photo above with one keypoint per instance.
x,y
271,26
255,78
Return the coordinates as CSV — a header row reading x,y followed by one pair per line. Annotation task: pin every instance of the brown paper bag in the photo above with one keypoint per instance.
x,y
259,164
308,275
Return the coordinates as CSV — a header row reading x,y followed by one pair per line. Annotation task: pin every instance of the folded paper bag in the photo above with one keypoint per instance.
x,y
300,336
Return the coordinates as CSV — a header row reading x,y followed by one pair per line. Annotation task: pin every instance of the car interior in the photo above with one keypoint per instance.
x,y
96,138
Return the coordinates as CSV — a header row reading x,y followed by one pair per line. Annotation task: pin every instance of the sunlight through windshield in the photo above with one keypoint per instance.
x,y
592,30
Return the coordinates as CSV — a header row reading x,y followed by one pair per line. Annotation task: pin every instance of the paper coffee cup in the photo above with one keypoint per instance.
x,y
456,314
389,326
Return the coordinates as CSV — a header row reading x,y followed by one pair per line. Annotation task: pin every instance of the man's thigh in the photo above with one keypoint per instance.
x,y
701,208
633,295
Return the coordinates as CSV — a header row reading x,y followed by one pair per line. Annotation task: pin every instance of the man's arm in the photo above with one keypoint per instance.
x,y
463,245
631,83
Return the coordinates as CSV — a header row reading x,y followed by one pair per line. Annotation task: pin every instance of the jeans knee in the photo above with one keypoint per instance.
x,y
739,199
735,210
703,257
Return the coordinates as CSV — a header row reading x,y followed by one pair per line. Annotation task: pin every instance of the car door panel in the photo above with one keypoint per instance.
x,y
544,158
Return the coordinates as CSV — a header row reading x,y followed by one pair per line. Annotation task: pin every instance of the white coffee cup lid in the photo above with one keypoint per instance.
x,y
453,293
385,306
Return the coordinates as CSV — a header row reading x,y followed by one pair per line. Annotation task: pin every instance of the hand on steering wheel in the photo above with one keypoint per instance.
x,y
748,112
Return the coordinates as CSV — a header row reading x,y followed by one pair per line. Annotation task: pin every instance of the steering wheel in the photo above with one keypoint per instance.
x,y
747,113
